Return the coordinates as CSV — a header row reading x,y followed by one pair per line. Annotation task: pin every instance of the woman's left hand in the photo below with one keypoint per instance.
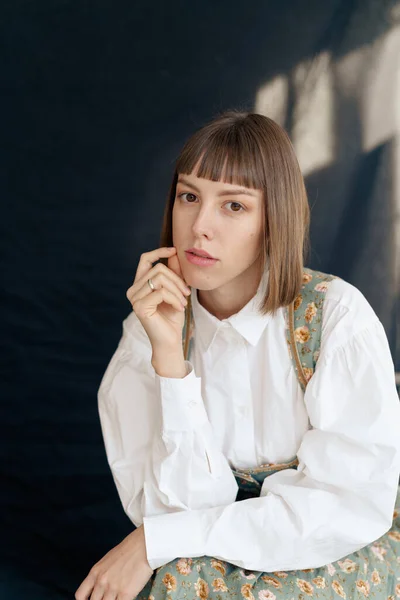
x,y
122,573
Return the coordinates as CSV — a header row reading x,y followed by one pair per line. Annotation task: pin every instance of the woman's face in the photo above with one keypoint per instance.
x,y
223,219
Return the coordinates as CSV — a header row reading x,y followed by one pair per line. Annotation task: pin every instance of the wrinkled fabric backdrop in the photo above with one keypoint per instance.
x,y
97,100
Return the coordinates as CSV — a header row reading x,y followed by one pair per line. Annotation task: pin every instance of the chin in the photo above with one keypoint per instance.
x,y
199,283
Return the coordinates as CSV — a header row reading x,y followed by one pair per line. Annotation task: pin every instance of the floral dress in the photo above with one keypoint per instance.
x,y
372,572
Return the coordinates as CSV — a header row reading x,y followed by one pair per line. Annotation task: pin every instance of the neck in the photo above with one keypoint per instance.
x,y
229,299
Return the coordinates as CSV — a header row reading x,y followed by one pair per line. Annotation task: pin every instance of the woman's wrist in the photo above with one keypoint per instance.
x,y
167,363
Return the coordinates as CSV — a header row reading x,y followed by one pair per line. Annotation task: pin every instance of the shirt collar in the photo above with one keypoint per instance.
x,y
248,321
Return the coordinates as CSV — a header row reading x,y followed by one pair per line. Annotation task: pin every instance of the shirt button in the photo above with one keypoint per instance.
x,y
192,403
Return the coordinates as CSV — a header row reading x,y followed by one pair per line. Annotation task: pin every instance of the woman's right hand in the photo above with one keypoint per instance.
x,y
161,311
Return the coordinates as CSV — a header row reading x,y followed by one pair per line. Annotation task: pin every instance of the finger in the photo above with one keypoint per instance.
x,y
160,268
175,265
98,592
160,280
148,258
84,590
149,303
110,595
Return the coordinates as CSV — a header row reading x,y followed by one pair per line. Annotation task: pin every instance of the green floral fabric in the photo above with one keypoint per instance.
x,y
372,572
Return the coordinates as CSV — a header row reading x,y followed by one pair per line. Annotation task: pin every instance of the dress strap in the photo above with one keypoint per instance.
x,y
303,318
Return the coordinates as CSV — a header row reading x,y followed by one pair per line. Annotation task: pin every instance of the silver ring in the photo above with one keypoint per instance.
x,y
151,284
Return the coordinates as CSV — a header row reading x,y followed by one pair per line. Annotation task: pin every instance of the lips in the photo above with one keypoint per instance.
x,y
201,253
200,261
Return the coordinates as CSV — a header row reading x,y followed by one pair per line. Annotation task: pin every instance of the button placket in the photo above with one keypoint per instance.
x,y
242,410
243,438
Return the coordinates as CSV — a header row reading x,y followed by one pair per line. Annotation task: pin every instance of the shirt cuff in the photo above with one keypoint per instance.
x,y
181,401
175,535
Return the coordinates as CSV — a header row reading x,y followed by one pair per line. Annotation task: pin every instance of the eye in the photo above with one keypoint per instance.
x,y
186,194
231,202
237,204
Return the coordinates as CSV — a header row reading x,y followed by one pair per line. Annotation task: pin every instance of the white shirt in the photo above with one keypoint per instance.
x,y
171,442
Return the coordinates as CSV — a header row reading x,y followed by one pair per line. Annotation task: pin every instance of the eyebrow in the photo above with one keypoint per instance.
x,y
233,192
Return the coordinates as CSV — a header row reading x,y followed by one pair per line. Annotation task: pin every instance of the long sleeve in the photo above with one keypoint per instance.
x,y
159,442
343,493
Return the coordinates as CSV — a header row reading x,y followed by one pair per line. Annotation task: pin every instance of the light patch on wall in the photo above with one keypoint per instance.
x,y
380,100
310,85
271,99
396,175
313,113
380,109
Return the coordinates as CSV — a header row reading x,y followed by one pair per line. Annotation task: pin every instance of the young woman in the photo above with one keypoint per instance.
x,y
251,420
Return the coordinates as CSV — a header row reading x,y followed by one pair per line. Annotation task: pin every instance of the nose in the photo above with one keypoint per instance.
x,y
204,222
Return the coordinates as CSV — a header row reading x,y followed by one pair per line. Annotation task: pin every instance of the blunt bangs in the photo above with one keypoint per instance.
x,y
226,154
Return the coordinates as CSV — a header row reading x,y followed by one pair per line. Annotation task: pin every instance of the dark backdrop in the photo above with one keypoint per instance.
x,y
97,99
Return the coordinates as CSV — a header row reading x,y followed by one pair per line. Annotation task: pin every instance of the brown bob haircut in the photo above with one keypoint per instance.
x,y
250,149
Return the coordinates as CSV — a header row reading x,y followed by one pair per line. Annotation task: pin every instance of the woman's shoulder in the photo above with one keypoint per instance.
x,y
345,309
333,289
